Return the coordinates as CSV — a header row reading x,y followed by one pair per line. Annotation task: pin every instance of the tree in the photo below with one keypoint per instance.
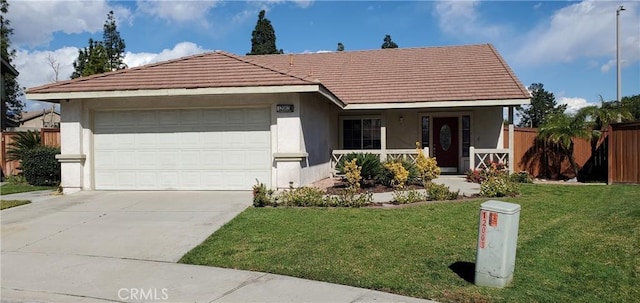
x,y
632,104
543,103
113,44
55,67
340,47
560,128
23,142
101,56
263,37
91,60
388,43
12,108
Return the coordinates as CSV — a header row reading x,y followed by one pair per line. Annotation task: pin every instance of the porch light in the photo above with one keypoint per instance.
x,y
401,119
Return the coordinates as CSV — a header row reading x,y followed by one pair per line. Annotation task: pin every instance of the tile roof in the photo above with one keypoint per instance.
x,y
216,69
452,73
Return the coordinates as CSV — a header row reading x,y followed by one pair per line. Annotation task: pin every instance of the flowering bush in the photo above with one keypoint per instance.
x,y
494,169
352,174
427,166
400,174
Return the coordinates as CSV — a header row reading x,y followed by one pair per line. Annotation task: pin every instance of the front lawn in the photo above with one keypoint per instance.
x,y
576,244
14,188
12,203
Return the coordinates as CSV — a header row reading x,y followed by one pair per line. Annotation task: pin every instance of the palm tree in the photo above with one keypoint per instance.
x,y
599,118
562,129
23,142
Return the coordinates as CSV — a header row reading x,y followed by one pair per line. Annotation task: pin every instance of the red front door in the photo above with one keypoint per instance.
x,y
445,142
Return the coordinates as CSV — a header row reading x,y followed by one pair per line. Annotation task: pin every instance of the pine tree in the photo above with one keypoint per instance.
x,y
101,56
388,43
543,104
91,60
263,37
113,44
340,47
12,108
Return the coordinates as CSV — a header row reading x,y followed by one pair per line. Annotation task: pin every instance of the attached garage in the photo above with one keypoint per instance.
x,y
182,149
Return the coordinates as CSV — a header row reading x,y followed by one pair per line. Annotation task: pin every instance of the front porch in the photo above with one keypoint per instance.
x,y
459,140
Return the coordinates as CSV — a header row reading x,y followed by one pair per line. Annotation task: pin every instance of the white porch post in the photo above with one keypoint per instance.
x,y
472,158
511,141
383,140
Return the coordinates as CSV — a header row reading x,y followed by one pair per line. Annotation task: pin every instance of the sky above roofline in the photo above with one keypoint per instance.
x,y
569,46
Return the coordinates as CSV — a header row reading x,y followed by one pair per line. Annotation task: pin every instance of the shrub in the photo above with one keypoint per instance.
x,y
370,166
521,177
352,172
427,167
16,179
261,195
348,198
302,196
494,169
499,187
440,192
387,176
408,196
400,174
40,167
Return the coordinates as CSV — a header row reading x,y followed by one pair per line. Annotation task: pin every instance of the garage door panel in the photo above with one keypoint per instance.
x,y
212,149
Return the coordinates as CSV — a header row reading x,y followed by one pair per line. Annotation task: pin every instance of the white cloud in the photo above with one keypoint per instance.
x,y
584,30
35,68
179,50
34,22
303,3
179,11
462,18
574,104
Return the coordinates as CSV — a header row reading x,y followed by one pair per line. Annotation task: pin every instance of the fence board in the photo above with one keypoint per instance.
x,y
542,159
624,160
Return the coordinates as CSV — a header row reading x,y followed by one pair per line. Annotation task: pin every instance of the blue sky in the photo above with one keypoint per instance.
x,y
569,46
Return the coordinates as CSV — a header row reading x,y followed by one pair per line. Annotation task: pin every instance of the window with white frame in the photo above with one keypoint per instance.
x,y
361,133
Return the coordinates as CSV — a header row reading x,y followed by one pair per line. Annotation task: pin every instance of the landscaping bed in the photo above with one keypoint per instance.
x,y
576,244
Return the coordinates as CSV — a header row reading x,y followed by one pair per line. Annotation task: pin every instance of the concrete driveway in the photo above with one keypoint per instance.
x,y
122,247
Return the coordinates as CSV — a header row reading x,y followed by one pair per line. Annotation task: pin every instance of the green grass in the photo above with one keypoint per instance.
x,y
576,244
12,203
14,188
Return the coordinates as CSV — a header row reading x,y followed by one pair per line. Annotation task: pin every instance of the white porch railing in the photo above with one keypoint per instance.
x,y
481,158
385,155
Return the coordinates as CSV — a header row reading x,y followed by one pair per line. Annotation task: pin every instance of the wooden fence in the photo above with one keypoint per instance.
x,y
48,137
542,159
615,158
624,153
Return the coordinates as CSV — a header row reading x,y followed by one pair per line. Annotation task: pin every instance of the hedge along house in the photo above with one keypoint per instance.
x,y
218,121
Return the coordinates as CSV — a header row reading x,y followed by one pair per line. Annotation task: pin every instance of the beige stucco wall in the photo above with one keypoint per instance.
x,y
319,136
38,122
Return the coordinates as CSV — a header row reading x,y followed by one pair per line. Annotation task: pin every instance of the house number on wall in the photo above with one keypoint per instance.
x,y
284,108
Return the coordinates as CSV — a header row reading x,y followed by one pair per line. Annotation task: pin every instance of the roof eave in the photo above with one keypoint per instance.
x,y
57,97
438,104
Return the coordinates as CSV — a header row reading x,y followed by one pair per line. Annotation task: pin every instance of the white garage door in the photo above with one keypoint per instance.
x,y
201,149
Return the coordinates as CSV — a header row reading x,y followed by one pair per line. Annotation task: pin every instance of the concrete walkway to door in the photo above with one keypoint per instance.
x,y
122,247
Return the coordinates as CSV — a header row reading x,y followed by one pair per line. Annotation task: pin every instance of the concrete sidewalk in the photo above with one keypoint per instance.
x,y
33,196
454,182
122,247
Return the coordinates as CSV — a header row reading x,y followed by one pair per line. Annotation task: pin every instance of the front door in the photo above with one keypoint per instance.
x,y
445,143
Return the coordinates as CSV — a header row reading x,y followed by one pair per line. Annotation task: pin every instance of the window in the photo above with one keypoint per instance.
x,y
425,131
466,135
361,133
